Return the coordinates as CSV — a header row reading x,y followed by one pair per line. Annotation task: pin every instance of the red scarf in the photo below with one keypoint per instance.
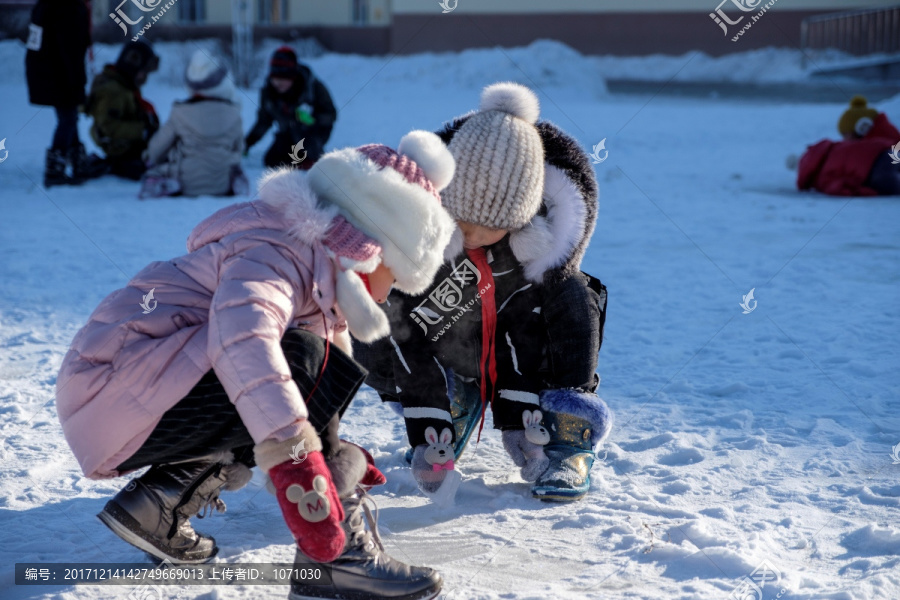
x,y
488,362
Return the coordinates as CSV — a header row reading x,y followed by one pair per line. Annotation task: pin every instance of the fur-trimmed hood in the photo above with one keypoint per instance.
x,y
286,202
553,244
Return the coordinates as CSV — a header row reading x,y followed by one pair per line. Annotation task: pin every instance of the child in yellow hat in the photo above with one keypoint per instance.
x,y
865,163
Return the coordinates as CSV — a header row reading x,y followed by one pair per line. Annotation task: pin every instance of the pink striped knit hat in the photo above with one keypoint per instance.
x,y
393,198
353,248
383,156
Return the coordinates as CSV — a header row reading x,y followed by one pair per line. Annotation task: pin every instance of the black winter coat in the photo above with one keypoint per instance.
x,y
59,36
281,109
549,315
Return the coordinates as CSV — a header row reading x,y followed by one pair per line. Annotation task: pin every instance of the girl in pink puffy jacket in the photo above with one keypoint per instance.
x,y
237,354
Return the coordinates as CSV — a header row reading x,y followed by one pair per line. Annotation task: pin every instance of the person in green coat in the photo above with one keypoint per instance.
x,y
123,120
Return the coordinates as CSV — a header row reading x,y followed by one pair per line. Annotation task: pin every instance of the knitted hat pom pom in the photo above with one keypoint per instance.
x,y
511,98
857,120
431,155
859,102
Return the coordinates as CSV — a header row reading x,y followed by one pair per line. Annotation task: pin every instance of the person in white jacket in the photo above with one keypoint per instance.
x,y
198,150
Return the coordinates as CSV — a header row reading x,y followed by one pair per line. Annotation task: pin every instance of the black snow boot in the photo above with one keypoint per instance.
x,y
55,170
153,511
84,165
364,571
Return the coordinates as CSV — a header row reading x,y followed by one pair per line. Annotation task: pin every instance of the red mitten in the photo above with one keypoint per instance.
x,y
373,476
310,505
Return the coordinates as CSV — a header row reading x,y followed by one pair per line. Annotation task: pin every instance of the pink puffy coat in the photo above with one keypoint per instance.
x,y
253,270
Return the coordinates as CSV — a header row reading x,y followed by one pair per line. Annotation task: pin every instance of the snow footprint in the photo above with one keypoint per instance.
x,y
676,488
680,458
648,443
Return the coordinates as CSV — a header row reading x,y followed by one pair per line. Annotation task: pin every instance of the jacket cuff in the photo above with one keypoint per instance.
x,y
585,405
271,452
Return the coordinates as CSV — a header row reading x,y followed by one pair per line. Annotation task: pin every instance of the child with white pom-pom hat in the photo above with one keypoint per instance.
x,y
510,322
238,354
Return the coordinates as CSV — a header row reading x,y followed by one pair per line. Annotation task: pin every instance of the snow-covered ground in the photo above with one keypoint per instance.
x,y
741,439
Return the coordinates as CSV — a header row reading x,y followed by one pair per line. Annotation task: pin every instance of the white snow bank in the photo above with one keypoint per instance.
x,y
542,63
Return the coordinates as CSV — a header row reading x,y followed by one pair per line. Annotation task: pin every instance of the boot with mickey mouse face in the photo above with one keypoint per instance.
x,y
363,571
306,493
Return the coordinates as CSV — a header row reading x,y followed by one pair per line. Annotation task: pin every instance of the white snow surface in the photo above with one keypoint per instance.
x,y
739,438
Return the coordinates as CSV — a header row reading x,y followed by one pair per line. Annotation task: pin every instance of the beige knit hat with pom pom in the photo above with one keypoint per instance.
x,y
499,161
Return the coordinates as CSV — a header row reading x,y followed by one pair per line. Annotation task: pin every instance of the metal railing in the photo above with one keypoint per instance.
x,y
856,32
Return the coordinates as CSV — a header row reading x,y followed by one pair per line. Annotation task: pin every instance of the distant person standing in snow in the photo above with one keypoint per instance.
x,y
123,120
58,38
198,150
301,107
511,322
861,164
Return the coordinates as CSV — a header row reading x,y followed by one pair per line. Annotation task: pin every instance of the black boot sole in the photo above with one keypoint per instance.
x,y
127,528
328,591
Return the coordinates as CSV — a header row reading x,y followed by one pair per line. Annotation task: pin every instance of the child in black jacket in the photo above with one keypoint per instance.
x,y
510,321
300,106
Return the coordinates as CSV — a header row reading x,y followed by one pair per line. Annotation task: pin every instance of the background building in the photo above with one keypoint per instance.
x,y
622,27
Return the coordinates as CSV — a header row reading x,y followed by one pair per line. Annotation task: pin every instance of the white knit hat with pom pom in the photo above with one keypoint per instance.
x,y
203,76
499,161
394,197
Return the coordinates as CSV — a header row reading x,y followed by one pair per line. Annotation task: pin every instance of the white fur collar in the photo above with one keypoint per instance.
x,y
288,191
548,241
